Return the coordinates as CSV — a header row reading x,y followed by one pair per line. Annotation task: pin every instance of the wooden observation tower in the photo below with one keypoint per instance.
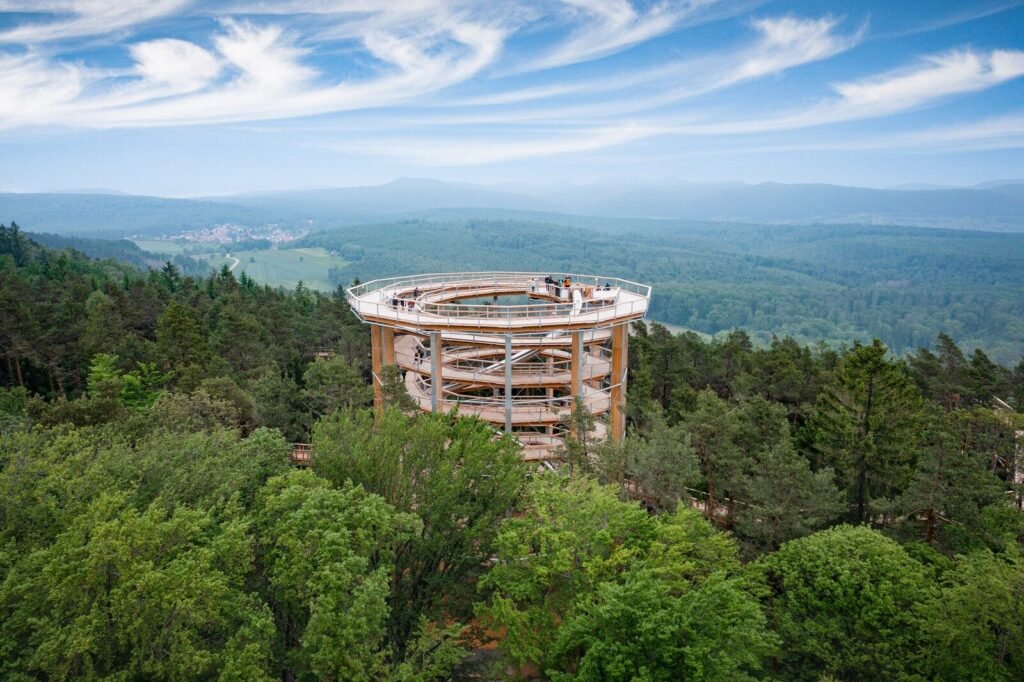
x,y
515,349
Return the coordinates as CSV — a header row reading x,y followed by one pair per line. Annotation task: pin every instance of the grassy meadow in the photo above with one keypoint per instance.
x,y
286,267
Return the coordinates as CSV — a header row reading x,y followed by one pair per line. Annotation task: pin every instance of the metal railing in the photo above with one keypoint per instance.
x,y
595,400
392,295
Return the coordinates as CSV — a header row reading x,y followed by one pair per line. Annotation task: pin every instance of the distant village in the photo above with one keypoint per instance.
x,y
232,233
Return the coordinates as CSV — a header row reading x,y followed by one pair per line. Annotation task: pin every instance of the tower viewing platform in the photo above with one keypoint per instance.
x,y
515,349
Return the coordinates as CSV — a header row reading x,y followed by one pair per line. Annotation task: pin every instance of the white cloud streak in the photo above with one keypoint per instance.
x,y
931,80
463,151
267,75
609,26
182,65
279,59
781,44
77,18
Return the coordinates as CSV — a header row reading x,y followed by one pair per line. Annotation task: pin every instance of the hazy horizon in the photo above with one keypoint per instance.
x,y
511,187
182,98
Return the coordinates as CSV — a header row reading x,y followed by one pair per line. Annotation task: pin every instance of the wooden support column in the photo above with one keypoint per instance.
x,y
550,393
577,365
620,351
376,356
387,342
436,381
508,383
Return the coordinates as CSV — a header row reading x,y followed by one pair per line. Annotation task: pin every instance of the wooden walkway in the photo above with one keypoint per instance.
x,y
595,368
302,454
432,302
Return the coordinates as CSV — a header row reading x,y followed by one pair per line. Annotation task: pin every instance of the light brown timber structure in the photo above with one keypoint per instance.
x,y
515,349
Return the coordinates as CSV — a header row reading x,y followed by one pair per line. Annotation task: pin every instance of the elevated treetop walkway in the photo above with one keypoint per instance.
x,y
516,349
438,302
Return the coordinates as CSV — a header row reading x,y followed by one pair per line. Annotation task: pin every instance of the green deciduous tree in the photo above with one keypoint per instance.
x,y
588,587
333,384
127,595
974,625
454,475
843,601
327,555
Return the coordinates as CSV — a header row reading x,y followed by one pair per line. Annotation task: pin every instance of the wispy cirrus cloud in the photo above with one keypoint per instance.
x,y
467,82
264,74
607,26
937,76
475,151
928,81
780,44
64,19
931,80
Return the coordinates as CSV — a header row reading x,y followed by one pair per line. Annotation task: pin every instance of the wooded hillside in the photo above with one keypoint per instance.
x,y
792,511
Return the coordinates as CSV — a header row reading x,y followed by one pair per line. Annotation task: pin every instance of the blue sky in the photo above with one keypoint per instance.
x,y
180,97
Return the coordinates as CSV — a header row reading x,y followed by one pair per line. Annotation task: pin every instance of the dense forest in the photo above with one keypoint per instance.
x,y
832,283
121,250
777,511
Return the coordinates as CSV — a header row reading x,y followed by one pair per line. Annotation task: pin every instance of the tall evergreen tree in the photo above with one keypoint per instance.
x,y
867,427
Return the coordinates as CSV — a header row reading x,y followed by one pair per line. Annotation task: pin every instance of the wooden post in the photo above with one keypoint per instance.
x,y
508,383
620,350
577,365
550,393
387,343
436,381
375,366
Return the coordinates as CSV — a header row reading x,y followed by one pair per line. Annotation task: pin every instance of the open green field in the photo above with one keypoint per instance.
x,y
285,267
161,246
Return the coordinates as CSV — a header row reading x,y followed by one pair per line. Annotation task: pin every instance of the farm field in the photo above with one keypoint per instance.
x,y
286,267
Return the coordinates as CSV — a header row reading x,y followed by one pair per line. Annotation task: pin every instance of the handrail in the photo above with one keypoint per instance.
x,y
392,294
591,396
491,276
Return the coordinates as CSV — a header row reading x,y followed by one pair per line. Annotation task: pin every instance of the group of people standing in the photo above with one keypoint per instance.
x,y
564,282
558,284
406,302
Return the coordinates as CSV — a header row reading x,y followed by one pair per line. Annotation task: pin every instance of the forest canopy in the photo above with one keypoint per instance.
x,y
776,511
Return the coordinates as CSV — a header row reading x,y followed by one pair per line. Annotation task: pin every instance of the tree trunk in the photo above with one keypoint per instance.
x,y
862,476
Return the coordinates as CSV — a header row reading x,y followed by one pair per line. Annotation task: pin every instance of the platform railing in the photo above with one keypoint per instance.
x,y
392,296
595,400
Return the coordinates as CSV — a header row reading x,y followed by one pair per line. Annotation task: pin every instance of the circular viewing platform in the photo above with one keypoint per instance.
x,y
519,350
456,302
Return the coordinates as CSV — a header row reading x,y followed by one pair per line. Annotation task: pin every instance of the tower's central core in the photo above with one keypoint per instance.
x,y
515,349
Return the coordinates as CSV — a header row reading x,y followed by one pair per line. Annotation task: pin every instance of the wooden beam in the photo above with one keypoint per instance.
x,y
375,366
387,342
508,383
436,380
620,354
576,371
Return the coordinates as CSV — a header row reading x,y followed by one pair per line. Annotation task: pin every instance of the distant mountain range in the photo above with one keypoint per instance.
x,y
997,206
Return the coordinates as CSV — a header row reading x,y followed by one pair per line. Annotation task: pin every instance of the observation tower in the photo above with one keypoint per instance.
x,y
515,349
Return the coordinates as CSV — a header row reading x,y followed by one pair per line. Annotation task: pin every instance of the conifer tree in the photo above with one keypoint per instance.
x,y
867,426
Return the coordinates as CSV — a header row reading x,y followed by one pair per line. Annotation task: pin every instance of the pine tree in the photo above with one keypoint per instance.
x,y
866,425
